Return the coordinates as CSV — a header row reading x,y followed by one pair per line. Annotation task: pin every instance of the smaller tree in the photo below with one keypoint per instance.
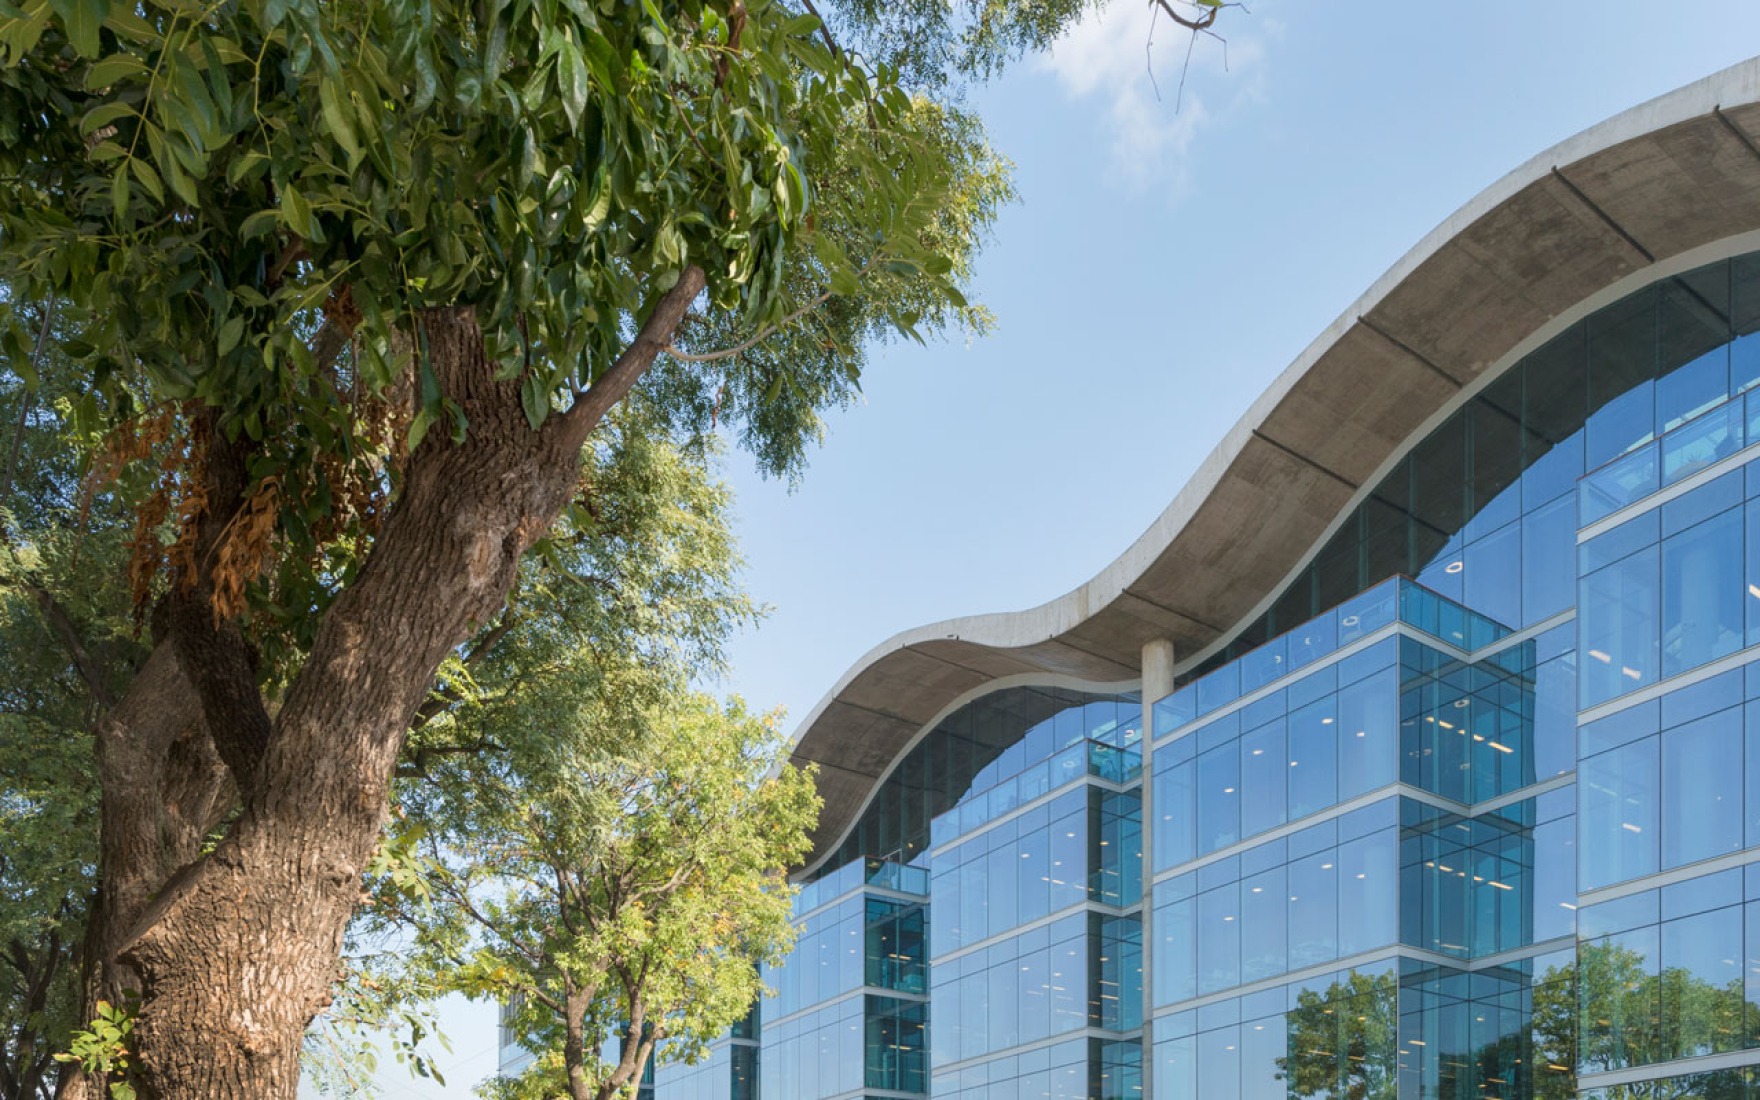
x,y
626,885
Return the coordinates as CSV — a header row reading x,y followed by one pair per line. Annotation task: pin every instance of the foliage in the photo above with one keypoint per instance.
x,y
101,1047
48,780
619,881
1342,1040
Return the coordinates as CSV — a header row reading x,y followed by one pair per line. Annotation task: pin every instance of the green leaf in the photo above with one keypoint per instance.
x,y
336,117
84,19
101,116
119,193
571,82
534,397
230,334
118,66
296,213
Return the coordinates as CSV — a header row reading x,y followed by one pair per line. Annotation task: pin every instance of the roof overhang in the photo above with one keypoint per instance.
x,y
1601,213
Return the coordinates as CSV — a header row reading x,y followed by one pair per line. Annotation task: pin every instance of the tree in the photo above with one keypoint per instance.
x,y
630,889
355,283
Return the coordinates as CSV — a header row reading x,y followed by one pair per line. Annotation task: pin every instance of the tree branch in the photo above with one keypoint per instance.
x,y
746,345
213,652
655,336
61,625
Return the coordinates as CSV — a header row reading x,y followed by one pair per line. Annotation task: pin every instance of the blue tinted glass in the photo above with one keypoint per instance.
x,y
1262,710
1702,503
1617,627
1692,388
1617,815
1219,939
1175,711
1696,895
1365,614
1751,570
1617,484
1218,731
1621,915
1617,729
1315,685
1549,575
1623,423
1610,546
1313,910
1702,698
1701,792
1368,734
1492,575
1368,892
1383,654
1263,776
1313,759
1702,593
1697,952
1219,821
1219,688
1263,665
1313,640
1703,443
1264,926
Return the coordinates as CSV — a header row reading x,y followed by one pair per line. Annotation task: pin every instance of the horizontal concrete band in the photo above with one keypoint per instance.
x,y
1596,213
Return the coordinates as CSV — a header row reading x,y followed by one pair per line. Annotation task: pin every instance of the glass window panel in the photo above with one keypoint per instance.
x,y
1176,1069
1692,388
1313,759
1702,988
1262,1058
1617,815
1219,1062
1751,560
1702,443
1617,628
1491,579
1553,883
1368,892
1219,800
1219,939
1175,815
1313,910
1368,745
1264,928
1264,765
1701,790
1496,444
1175,976
1620,999
1702,503
1554,404
1549,575
1619,483
1702,594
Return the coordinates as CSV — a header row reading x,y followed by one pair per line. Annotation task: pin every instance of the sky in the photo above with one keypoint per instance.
x,y
1165,261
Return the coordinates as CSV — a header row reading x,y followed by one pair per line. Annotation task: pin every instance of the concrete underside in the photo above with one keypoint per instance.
x,y
1673,175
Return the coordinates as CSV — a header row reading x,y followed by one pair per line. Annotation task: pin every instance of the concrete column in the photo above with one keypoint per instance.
x,y
1158,662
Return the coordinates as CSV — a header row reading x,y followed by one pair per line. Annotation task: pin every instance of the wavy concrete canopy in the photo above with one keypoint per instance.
x,y
1675,174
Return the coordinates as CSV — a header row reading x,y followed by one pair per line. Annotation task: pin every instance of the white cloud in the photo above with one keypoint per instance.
x,y
1123,55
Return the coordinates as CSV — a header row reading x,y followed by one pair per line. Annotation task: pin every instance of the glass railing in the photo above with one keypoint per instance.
x,y
1679,453
897,876
980,806
1398,598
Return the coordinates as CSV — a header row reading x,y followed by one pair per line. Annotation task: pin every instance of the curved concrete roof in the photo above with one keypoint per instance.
x,y
1656,182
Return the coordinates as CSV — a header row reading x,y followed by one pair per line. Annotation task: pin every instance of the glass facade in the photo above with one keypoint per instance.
x,y
1470,811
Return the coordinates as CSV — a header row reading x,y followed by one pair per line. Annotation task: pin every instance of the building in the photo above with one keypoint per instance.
x,y
1414,752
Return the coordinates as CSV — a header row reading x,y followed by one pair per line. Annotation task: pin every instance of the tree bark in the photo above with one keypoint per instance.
x,y
230,956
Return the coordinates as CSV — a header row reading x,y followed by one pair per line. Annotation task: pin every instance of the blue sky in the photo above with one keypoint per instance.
x,y
1159,271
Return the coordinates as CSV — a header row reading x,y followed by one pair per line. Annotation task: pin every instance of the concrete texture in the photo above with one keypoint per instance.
x,y
1601,213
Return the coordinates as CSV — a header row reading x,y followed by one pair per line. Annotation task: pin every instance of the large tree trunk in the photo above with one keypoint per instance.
x,y
232,955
